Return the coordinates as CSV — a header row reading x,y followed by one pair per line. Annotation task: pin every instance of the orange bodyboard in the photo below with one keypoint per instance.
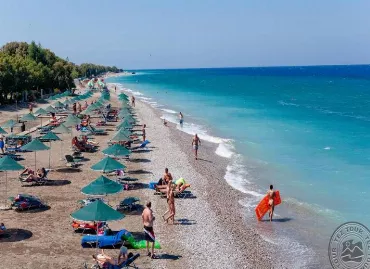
x,y
263,206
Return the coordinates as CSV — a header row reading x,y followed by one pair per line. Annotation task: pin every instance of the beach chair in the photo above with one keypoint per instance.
x,y
109,239
129,263
38,182
128,204
72,162
97,131
142,145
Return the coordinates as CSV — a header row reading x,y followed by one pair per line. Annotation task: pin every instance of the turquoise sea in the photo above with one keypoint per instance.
x,y
304,129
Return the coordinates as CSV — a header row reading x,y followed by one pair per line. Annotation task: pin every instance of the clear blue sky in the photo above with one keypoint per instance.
x,y
190,33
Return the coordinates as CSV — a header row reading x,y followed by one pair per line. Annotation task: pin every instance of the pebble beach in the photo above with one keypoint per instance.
x,y
208,230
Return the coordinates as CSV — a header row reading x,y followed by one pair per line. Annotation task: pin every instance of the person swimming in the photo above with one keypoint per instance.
x,y
271,194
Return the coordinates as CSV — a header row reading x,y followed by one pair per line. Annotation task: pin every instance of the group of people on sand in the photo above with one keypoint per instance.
x,y
30,175
84,145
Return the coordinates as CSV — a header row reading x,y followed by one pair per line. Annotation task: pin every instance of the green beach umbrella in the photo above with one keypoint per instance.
x,y
2,131
116,150
121,136
50,136
40,112
102,186
8,164
107,165
62,129
125,124
97,211
125,131
50,109
35,145
9,124
72,120
58,104
28,117
68,102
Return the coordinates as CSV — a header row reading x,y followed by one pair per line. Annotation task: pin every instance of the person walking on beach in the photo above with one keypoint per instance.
x,y
271,194
181,117
143,131
171,203
74,106
133,101
79,107
196,143
148,220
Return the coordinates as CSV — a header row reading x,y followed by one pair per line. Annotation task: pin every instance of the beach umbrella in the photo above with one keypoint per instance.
x,y
2,131
117,150
50,136
72,120
61,129
125,125
35,145
28,117
102,186
40,112
58,104
8,164
97,211
9,124
68,102
50,109
107,165
121,136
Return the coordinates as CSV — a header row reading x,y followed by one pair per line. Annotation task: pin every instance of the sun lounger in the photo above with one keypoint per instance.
x,y
105,240
183,193
40,181
142,145
128,204
97,131
72,162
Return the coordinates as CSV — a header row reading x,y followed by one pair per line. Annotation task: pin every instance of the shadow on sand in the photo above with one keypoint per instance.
x,y
15,235
277,220
185,222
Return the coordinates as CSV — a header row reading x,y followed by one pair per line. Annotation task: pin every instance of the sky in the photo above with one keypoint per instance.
x,y
188,33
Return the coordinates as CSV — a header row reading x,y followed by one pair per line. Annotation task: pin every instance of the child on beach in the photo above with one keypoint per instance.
x,y
271,195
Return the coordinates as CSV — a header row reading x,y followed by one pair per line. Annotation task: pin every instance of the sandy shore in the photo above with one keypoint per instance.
x,y
209,231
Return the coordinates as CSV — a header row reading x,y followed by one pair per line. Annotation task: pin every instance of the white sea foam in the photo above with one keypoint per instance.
x,y
225,149
169,111
144,98
327,148
136,93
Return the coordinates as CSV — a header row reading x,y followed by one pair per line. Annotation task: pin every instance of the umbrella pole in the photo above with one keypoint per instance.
x,y
61,150
6,187
49,154
35,162
41,121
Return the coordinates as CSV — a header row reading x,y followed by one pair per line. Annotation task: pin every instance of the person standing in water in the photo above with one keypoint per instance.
x,y
271,194
181,117
133,101
196,143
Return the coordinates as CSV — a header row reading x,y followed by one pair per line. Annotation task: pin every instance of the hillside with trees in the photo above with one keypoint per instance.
x,y
30,67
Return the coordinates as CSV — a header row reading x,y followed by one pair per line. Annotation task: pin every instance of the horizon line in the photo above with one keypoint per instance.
x,y
226,67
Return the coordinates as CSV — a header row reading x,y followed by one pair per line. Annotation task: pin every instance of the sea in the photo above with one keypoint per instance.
x,y
306,130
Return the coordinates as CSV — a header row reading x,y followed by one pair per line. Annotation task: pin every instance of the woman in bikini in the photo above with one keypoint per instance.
x,y
271,194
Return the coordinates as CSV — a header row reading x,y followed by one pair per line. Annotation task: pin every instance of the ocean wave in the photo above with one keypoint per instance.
x,y
169,111
225,150
287,103
136,93
144,98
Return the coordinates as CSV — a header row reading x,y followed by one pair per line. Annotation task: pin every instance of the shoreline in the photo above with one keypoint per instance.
x,y
296,241
217,238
